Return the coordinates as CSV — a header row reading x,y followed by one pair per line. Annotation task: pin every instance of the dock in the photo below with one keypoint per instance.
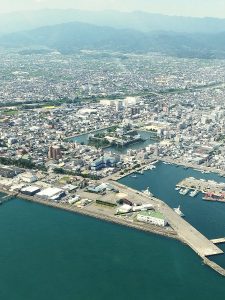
x,y
218,241
204,186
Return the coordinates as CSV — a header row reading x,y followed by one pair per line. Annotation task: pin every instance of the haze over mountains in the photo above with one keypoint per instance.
x,y
71,30
138,20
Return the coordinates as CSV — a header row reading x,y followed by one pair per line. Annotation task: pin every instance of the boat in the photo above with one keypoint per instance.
x,y
178,211
184,192
147,192
194,193
177,188
134,176
140,173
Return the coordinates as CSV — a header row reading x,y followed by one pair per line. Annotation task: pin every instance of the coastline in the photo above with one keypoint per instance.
x,y
119,221
85,212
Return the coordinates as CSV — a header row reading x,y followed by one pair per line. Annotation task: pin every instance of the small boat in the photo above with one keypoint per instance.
x,y
177,188
178,211
140,172
184,192
194,193
134,176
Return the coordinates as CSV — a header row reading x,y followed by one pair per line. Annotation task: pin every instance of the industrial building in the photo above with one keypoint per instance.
x,y
30,190
51,194
152,217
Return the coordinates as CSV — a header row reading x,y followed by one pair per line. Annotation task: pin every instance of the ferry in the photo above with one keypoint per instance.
x,y
147,192
178,211
194,193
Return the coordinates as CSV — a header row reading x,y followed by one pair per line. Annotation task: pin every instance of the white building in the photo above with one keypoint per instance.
x,y
125,208
152,217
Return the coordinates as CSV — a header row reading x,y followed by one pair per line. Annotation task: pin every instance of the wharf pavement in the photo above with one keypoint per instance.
x,y
187,233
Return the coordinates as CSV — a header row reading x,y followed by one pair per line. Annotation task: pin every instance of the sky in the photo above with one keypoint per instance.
x,y
200,8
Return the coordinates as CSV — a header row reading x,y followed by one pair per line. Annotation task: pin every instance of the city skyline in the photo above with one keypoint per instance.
x,y
202,8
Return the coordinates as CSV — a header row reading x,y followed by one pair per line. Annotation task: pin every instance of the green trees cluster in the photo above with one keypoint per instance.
x,y
75,173
21,163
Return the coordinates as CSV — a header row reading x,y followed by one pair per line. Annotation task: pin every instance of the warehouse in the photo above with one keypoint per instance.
x,y
50,193
30,190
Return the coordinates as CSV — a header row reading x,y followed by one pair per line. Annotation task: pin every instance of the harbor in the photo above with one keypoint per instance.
x,y
62,245
211,190
178,228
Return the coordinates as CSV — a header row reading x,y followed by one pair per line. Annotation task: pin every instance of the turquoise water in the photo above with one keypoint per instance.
x,y
207,217
49,254
147,136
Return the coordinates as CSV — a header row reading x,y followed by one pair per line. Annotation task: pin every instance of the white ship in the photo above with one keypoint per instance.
x,y
178,211
147,192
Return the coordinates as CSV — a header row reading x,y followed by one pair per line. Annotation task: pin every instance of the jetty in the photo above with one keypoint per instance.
x,y
218,241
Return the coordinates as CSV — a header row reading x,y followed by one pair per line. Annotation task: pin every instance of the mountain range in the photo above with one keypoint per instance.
x,y
69,31
75,36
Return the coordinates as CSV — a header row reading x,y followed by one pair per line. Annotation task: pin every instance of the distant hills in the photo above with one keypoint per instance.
x,y
75,36
138,20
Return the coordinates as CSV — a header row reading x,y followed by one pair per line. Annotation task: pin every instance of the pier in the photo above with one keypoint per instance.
x,y
187,233
218,241
205,186
7,197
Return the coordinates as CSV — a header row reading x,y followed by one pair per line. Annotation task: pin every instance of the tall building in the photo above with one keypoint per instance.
x,y
54,152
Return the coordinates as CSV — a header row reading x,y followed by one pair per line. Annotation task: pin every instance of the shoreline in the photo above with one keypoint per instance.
x,y
116,220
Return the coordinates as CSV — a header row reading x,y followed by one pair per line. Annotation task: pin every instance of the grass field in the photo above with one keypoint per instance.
x,y
9,112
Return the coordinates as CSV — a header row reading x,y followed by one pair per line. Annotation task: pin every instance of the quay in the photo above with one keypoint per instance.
x,y
187,233
102,215
200,168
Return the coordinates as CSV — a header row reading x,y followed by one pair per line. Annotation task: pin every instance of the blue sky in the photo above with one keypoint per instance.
x,y
212,8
